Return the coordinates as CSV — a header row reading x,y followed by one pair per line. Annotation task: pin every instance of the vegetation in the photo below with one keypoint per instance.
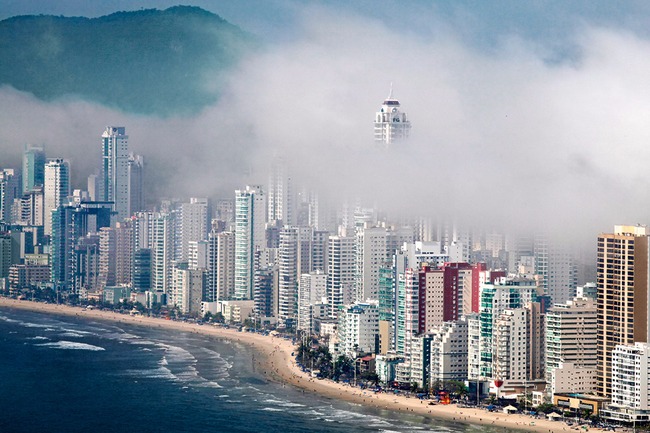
x,y
148,61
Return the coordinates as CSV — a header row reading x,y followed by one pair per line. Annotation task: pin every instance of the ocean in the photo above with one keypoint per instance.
x,y
63,374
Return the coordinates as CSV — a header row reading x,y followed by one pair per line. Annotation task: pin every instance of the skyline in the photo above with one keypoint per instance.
x,y
504,133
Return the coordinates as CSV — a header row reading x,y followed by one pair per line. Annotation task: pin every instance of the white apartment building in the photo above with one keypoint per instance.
x,y
340,272
571,337
56,189
250,225
312,291
197,254
630,389
420,360
449,351
370,257
572,378
193,223
221,266
358,328
115,170
187,289
518,344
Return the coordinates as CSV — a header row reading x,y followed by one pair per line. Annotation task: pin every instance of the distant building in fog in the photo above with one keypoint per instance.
x,y
391,124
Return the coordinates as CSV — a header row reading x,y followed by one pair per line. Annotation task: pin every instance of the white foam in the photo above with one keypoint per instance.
x,y
38,337
271,409
71,334
71,345
35,325
154,373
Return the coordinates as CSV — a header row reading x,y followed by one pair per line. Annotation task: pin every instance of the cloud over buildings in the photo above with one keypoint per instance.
x,y
501,137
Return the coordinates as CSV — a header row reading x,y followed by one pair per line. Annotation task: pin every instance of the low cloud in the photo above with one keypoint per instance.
x,y
503,138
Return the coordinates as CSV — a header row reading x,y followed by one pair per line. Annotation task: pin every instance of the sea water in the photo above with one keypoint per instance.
x,y
64,374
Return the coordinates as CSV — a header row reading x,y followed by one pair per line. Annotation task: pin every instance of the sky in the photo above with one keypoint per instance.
x,y
527,115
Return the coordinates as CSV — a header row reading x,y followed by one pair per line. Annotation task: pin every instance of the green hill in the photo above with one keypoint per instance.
x,y
149,61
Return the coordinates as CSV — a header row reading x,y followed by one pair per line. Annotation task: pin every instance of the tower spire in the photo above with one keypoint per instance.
x,y
390,94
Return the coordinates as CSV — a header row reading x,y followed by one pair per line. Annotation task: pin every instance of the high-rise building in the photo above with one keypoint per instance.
x,y
449,350
623,291
187,289
136,183
142,270
505,294
30,208
358,328
407,323
556,269
9,191
391,124
311,292
156,231
340,272
70,223
517,344
571,336
115,170
86,265
281,197
265,296
289,274
221,266
629,387
33,168
194,223
56,189
250,222
116,255
370,257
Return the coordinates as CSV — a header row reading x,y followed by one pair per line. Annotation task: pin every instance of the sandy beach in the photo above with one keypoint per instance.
x,y
278,364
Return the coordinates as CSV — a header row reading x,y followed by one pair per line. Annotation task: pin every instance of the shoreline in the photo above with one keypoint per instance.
x,y
278,364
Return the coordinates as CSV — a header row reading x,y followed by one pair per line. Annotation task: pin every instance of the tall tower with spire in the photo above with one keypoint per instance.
x,y
391,124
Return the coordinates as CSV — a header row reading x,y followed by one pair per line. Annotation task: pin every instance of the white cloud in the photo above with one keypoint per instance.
x,y
499,137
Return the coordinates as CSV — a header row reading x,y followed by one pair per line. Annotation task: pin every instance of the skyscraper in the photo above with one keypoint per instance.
x,y
33,168
391,124
280,200
71,222
340,272
115,170
194,223
221,266
250,221
623,290
136,179
56,189
9,190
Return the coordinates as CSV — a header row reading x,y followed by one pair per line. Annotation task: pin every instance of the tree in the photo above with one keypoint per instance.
x,y
545,408
371,377
457,388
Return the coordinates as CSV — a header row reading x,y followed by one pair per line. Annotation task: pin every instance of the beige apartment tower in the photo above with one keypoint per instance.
x,y
622,305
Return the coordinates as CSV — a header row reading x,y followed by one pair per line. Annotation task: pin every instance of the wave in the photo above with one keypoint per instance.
x,y
71,334
153,373
71,345
272,409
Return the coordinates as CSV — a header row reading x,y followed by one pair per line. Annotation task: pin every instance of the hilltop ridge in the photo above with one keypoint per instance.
x,y
149,61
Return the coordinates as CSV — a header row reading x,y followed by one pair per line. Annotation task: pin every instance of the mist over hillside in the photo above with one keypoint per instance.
x,y
163,62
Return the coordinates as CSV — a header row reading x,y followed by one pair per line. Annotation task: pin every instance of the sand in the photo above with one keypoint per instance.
x,y
278,364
